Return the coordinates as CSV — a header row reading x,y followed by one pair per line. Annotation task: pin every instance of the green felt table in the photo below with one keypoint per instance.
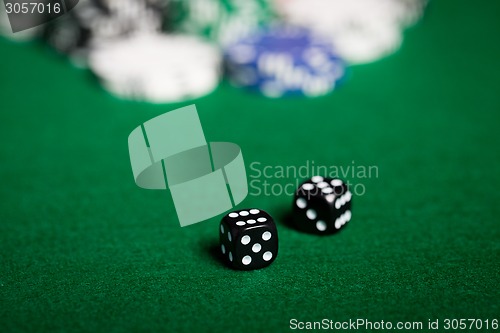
x,y
83,249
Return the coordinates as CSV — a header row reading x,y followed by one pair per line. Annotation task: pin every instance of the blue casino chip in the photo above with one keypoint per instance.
x,y
284,60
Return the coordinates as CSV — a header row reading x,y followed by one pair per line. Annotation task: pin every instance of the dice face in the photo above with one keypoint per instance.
x,y
322,205
248,239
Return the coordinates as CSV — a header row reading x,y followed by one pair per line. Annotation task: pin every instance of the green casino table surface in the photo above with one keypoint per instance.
x,y
83,249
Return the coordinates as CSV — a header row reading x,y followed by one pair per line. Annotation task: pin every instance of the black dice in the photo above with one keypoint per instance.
x,y
322,205
248,239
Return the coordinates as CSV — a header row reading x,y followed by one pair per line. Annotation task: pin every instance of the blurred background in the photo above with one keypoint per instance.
x,y
410,87
165,51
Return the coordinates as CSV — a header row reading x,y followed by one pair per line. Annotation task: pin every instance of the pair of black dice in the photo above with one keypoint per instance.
x,y
249,238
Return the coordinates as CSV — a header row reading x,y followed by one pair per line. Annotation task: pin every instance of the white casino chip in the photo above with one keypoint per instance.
x,y
368,42
157,68
361,30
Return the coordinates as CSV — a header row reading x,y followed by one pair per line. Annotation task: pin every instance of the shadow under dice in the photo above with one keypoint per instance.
x,y
248,239
322,205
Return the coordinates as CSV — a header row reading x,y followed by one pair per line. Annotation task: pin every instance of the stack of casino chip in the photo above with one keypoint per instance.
x,y
221,21
361,30
283,60
93,23
158,68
